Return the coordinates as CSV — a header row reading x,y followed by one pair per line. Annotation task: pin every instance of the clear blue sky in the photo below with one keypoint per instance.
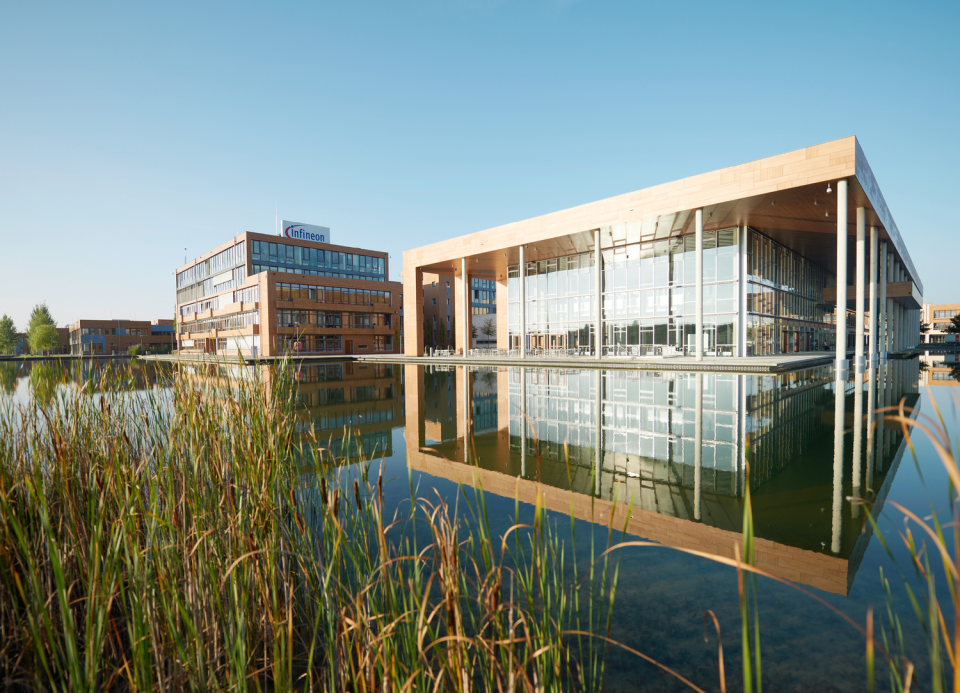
x,y
128,131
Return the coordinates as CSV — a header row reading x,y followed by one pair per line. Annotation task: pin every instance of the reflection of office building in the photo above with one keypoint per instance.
x,y
344,407
747,259
677,445
349,407
938,317
261,295
940,370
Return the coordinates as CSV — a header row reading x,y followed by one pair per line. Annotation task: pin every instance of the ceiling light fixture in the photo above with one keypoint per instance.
x,y
773,204
829,189
814,203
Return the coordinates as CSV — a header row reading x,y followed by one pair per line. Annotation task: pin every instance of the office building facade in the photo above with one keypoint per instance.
x,y
264,295
744,261
938,318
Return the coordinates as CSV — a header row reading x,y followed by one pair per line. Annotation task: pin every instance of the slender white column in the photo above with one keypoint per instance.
x,y
900,330
842,365
874,323
839,414
598,296
890,310
699,294
523,303
861,264
882,321
742,350
697,444
465,307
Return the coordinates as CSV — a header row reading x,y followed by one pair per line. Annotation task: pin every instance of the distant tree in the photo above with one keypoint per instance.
x,y
954,326
8,334
924,327
489,328
43,338
42,329
443,335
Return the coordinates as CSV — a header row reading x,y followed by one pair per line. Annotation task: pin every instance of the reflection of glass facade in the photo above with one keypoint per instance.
x,y
647,425
649,298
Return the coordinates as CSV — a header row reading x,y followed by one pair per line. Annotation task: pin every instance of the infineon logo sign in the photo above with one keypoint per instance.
x,y
306,232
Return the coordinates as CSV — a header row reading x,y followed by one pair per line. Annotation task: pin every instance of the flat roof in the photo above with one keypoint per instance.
x,y
782,196
273,238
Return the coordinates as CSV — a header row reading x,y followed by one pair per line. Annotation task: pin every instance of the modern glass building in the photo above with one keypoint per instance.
x,y
745,261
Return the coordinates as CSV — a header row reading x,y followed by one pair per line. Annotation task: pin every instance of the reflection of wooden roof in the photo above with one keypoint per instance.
x,y
819,570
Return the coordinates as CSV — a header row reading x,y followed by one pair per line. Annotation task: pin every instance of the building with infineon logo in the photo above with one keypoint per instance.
x,y
306,232
261,295
748,260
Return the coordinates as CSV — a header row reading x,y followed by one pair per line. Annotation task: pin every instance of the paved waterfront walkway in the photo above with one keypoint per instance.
x,y
750,364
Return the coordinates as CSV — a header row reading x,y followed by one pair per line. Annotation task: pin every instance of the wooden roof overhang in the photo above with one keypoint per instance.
x,y
784,197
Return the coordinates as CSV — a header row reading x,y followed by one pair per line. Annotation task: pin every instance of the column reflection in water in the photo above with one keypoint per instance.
x,y
857,458
697,445
674,445
839,417
524,425
598,434
871,424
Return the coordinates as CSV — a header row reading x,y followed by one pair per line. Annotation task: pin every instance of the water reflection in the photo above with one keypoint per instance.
x,y
677,445
40,379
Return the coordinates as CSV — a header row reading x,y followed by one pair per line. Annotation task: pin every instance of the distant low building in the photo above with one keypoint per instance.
x,y
938,316
107,337
22,344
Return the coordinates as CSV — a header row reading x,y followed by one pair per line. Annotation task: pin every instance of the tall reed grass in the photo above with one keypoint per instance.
x,y
187,537
191,537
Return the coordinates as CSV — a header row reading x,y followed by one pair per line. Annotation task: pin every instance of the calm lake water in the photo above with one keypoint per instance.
x,y
676,446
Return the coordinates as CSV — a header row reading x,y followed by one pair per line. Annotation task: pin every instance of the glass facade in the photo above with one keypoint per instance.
x,y
225,270
283,257
785,309
559,294
649,299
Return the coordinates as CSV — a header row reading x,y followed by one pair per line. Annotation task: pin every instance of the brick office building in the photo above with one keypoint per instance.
x,y
264,295
99,337
938,317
